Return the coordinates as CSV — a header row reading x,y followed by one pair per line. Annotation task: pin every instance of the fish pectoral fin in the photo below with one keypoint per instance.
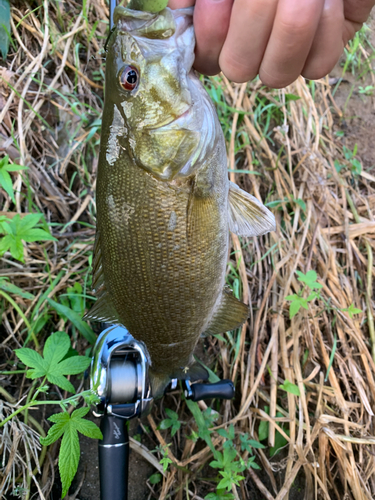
x,y
199,211
247,215
103,309
231,314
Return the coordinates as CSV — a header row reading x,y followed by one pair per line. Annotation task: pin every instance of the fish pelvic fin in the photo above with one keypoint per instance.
x,y
247,215
231,314
103,310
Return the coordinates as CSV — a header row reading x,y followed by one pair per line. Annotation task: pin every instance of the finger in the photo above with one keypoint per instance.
x,y
358,10
249,30
211,21
350,29
180,4
328,45
291,39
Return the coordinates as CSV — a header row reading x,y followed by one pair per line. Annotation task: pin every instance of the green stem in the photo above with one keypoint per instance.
x,y
39,388
28,399
39,403
368,294
13,372
17,308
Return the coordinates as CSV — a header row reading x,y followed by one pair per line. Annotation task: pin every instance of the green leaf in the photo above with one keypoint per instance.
x,y
309,279
51,366
19,229
165,424
4,27
16,248
56,431
297,303
291,97
155,478
290,387
203,421
5,167
332,357
263,427
55,348
29,357
27,222
37,235
78,322
6,181
294,308
280,442
247,444
10,288
301,203
351,310
219,495
68,426
68,458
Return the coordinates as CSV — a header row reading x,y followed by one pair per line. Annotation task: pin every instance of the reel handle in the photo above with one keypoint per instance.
x,y
224,389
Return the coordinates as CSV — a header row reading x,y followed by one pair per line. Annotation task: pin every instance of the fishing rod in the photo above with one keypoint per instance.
x,y
112,6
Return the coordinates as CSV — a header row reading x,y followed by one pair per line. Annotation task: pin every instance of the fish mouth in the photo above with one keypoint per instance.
x,y
175,121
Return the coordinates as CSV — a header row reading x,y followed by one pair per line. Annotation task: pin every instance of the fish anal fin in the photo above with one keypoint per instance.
x,y
247,215
103,311
231,314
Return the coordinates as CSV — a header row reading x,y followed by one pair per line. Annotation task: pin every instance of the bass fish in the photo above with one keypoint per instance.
x,y
165,205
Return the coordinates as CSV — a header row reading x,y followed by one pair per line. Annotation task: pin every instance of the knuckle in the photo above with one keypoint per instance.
x,y
238,71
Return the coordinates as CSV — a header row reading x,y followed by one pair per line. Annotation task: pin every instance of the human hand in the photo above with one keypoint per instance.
x,y
277,39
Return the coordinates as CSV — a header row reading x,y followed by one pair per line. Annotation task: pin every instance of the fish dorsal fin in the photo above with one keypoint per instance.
x,y
103,309
230,314
247,215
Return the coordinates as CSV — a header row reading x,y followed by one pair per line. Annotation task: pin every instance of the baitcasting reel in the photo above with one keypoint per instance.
x,y
119,376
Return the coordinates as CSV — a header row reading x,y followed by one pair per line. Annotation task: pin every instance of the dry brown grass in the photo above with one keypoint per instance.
x,y
330,426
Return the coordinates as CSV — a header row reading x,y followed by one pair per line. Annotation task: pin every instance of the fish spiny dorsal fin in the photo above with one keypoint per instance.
x,y
230,314
103,310
247,215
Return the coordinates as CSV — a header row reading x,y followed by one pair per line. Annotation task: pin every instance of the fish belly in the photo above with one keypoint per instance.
x,y
164,283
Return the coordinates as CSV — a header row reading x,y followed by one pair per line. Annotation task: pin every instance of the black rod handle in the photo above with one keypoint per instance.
x,y
224,389
114,458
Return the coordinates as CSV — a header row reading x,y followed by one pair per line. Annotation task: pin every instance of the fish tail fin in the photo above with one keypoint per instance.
x,y
159,381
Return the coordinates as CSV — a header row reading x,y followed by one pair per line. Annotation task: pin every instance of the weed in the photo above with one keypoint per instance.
x,y
172,422
57,361
17,230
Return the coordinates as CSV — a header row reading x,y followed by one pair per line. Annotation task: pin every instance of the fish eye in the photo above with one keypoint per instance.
x,y
129,78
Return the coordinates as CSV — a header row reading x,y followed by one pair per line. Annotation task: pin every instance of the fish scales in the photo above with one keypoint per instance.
x,y
164,205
